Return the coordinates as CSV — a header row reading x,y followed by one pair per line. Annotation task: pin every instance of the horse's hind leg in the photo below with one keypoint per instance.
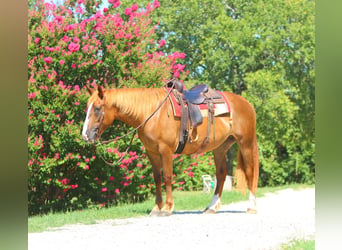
x,y
248,162
221,173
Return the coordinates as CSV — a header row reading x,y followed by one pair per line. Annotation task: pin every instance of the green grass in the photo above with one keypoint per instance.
x,y
195,200
299,245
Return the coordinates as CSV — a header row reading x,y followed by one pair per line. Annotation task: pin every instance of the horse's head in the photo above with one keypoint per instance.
x,y
97,119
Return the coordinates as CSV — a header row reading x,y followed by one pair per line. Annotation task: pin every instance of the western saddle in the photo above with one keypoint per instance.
x,y
191,116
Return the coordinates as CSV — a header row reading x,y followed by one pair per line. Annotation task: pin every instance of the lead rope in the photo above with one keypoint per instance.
x,y
132,131
122,156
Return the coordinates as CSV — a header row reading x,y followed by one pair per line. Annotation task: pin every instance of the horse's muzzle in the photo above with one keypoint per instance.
x,y
90,136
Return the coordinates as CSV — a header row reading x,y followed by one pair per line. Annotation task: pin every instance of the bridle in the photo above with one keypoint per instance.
x,y
133,131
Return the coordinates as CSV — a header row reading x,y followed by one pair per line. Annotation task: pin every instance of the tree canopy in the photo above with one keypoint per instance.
x,y
262,50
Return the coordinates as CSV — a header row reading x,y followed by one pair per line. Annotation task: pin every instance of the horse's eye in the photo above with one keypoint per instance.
x,y
97,111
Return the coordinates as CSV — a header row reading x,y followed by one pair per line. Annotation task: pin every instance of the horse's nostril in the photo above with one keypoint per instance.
x,y
85,137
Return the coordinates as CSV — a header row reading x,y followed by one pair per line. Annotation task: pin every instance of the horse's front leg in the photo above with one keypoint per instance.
x,y
156,168
166,157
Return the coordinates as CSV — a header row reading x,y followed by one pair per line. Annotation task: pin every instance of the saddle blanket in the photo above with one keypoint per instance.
x,y
221,106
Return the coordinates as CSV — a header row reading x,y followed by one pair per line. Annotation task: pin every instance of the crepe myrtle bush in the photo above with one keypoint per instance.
x,y
78,44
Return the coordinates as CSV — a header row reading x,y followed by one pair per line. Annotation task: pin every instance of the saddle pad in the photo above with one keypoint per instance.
x,y
220,108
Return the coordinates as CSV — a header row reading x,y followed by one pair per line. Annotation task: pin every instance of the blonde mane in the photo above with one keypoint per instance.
x,y
135,102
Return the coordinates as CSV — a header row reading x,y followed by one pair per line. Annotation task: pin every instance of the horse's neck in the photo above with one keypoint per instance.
x,y
133,106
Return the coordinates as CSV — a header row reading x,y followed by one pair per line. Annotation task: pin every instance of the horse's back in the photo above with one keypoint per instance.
x,y
240,105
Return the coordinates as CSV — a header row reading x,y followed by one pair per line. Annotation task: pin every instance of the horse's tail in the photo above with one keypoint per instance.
x,y
240,174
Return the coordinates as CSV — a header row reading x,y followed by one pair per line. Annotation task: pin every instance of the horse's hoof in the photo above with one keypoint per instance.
x,y
155,213
251,211
164,213
209,211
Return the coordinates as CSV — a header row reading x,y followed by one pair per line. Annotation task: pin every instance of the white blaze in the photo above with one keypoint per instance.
x,y
85,125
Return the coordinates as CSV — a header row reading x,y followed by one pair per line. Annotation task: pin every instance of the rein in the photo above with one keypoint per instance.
x,y
133,132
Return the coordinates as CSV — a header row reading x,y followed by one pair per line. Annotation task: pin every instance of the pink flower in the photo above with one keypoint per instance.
x,y
77,103
64,181
162,43
73,47
66,39
177,55
59,19
57,156
131,153
115,3
116,191
105,10
86,167
135,7
156,4
111,178
37,40
61,84
76,39
128,11
49,49
61,62
128,36
104,189
48,60
31,96
179,67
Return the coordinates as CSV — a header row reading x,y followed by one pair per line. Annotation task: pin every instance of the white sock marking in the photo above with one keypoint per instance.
x,y
214,202
252,201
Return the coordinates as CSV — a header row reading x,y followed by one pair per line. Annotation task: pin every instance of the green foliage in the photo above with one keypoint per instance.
x,y
69,46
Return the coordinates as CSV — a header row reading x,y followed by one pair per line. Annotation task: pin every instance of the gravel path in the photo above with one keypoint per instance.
x,y
281,217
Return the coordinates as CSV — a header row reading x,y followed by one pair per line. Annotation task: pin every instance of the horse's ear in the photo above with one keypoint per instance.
x,y
90,91
100,91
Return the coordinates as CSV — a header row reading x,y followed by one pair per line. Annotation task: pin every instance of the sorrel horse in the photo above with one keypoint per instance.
x,y
159,136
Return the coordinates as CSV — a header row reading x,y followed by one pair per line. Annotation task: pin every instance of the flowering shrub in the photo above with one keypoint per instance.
x,y
69,46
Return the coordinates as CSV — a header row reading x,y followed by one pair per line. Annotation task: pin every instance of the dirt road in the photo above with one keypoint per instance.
x,y
281,217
